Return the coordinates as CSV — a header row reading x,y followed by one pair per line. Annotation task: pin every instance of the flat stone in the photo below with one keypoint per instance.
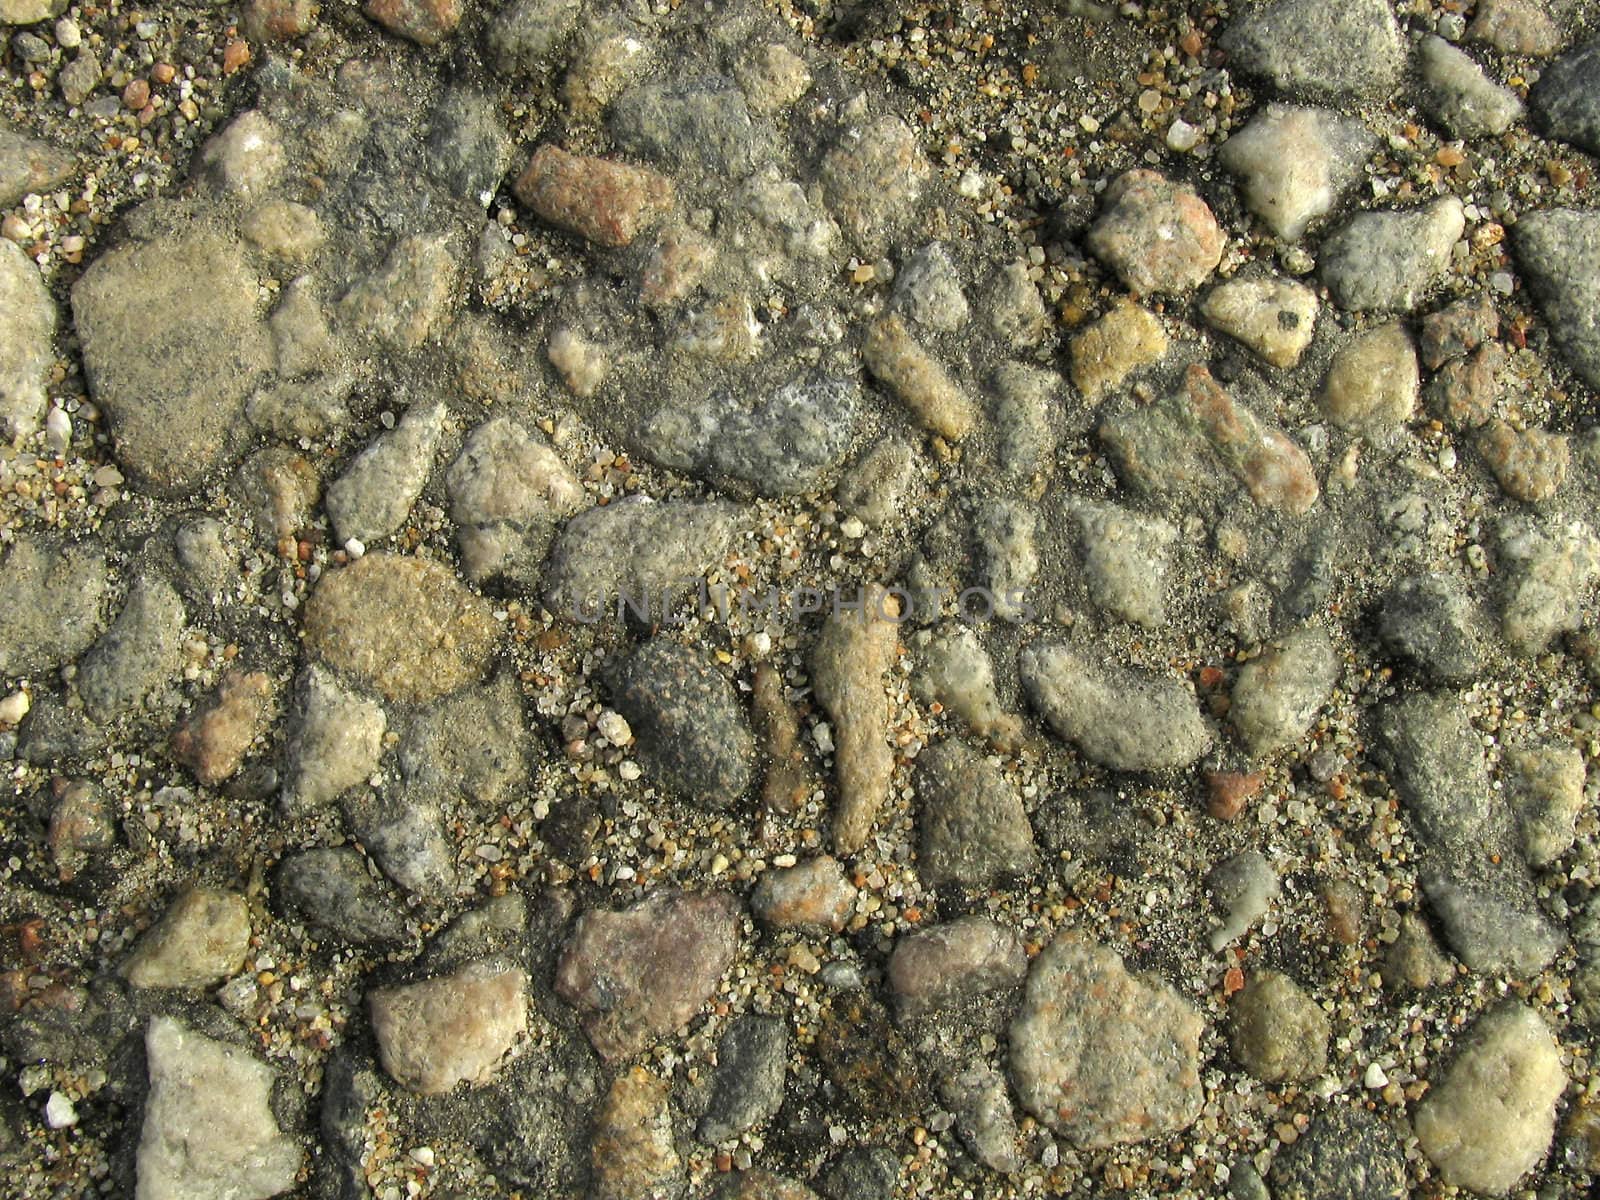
x,y
1546,786
406,837
1439,768
747,1089
214,741
1294,163
933,968
1529,464
452,1028
406,299
1567,97
1431,625
54,596
472,745
631,1146
1388,261
1102,1057
1491,1117
693,733
335,741
209,1132
604,201
873,177
200,940
136,662
403,626
1124,718
1548,566
1156,235
1515,27
374,495
1127,558
172,364
27,327
917,379
636,975
1278,693
1465,101
1558,252
1106,353
1457,329
973,829
689,124
28,164
1341,53
508,490
426,22
1346,1152
1277,1032
1274,318
332,890
813,896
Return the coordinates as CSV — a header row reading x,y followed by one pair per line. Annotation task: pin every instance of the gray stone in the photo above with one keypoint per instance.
x,y
373,497
451,1028
30,165
1025,418
209,1132
199,941
1127,557
27,325
1100,1056
1546,794
694,124
407,840
1277,694
972,824
780,444
53,594
1491,1117
1277,1032
937,967
1548,567
1515,27
1429,623
527,37
1567,97
332,890
79,78
1346,1153
872,178
1294,163
636,975
954,669
246,157
508,490
1013,307
747,1087
1494,925
928,290
981,1102
1388,261
1120,717
335,741
404,301
1558,252
1335,52
1439,769
469,149
471,744
172,364
693,733
1243,888
873,487
1461,97
1414,959
134,663
1007,531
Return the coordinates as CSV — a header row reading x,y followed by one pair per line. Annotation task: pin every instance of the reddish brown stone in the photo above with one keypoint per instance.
x,y
1273,469
279,20
813,895
1457,330
1463,391
1530,464
607,202
214,740
1227,792
426,22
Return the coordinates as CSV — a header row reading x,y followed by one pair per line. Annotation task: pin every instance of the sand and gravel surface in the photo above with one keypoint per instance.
x,y
789,600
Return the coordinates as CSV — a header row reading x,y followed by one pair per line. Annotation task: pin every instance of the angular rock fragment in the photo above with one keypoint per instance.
x,y
373,497
331,889
1335,52
1387,261
136,661
1126,558
935,967
1118,344
1277,1031
747,1088
27,325
200,940
1274,318
508,489
631,1146
1461,97
1546,793
451,1028
985,1123
1567,97
1156,235
53,594
603,201
335,741
1346,1147
972,824
873,177
1294,163
404,301
214,741
813,896
1549,566
1515,27
1429,622
1277,694
689,124
29,165
1558,251
1529,464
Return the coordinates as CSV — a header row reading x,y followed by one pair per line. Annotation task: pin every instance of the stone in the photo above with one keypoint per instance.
x,y
688,125
1463,391
30,165
171,364
1491,1117
1515,27
1277,1032
1558,252
199,941
1106,353
135,663
873,486
449,1029
1338,53
1124,718
1546,792
772,77
1013,307
631,1145
1529,464
1127,557
1494,926
861,1173
813,896
331,890
53,593
470,745
604,201
1457,329
335,741
1278,693
1274,318
469,149
1227,792
27,328
973,829
693,733
637,975
406,299
1101,1056
747,1088
1430,624
928,290
302,341
848,664
508,490
1548,566
1345,1152
1181,446
81,826
279,20
374,495
279,490
917,379
778,444
1414,959
217,737
1156,235
401,625
1388,261
985,1123
1565,97
635,548
527,37
406,837
1006,531
934,968
209,1132
1465,101
284,230
246,157
1294,163
1243,888
79,78
1439,769
955,670
872,178
426,22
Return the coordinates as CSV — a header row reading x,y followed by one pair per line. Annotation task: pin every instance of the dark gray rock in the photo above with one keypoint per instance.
x,y
1439,770
472,744
1429,623
974,830
693,733
406,840
1558,252
702,124
532,1125
469,149
861,1173
133,665
527,37
331,889
1567,97
1335,52
1346,1154
748,1085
